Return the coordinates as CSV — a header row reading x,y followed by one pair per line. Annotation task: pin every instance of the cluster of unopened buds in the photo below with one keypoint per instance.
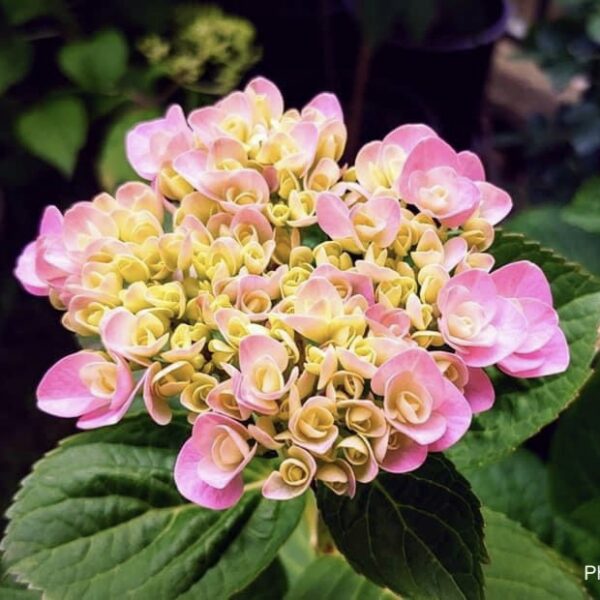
x,y
338,318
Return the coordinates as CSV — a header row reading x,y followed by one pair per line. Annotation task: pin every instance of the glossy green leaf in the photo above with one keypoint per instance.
x,y
584,210
97,63
15,60
113,167
575,460
332,578
298,552
522,567
419,534
547,225
100,517
271,584
524,406
517,486
55,131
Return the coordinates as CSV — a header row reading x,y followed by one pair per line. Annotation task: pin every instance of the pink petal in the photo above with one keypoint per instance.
x,y
458,415
26,272
551,359
469,165
263,87
333,216
522,279
479,391
408,136
61,391
254,347
495,203
190,165
408,457
195,490
327,104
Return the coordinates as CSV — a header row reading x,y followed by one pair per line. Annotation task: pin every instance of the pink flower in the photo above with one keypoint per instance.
x,y
419,402
450,186
480,324
45,262
151,145
261,382
209,466
544,349
89,386
293,477
375,221
473,382
398,453
379,164
347,283
388,322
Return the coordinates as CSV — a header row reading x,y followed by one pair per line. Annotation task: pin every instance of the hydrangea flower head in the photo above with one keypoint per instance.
x,y
337,318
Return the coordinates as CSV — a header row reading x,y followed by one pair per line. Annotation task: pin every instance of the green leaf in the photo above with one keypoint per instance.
x,y
100,517
113,167
584,210
548,225
19,12
524,406
271,584
419,534
522,567
575,456
313,236
11,590
518,487
97,63
55,131
332,578
298,552
15,60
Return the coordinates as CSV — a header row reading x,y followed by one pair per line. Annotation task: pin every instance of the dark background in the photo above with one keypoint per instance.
x,y
516,83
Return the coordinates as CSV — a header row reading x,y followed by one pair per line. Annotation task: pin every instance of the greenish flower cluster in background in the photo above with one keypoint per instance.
x,y
208,50
100,82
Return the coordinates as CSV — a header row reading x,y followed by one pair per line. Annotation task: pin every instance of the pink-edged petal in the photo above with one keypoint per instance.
x,y
479,391
158,408
409,135
495,202
205,123
124,396
190,165
470,165
354,364
333,216
424,433
407,457
369,154
551,359
52,221
263,87
413,360
328,105
195,490
522,279
458,414
26,272
255,347
542,321
62,393
511,329
428,154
